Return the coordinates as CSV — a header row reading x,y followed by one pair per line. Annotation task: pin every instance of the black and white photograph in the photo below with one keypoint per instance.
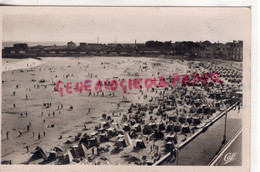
x,y
125,86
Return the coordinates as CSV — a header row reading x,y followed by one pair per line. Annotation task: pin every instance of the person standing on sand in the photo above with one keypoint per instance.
x,y
14,105
14,93
93,151
27,148
39,136
7,133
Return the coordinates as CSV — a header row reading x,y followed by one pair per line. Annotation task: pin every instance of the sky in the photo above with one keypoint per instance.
x,y
125,24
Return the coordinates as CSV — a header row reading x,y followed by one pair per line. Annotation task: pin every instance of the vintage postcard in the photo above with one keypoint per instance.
x,y
125,88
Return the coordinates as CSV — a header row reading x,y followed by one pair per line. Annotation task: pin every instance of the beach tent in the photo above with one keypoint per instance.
x,y
207,110
196,120
161,125
126,127
169,146
147,129
93,141
92,134
171,137
170,126
185,128
84,139
120,142
52,156
75,151
189,119
103,137
120,132
158,134
182,118
83,150
58,149
132,122
114,124
111,132
68,157
39,153
173,117
137,127
177,127
200,110
152,125
193,109
139,144
197,102
105,124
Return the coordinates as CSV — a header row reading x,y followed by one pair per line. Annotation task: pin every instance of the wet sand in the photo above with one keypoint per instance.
x,y
15,64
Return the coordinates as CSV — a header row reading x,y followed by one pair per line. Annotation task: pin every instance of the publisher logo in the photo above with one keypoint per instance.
x,y
229,157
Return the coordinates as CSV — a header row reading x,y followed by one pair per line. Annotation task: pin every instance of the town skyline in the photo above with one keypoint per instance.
x,y
231,50
51,43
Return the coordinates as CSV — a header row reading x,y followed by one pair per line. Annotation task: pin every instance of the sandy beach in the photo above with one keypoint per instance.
x,y
29,89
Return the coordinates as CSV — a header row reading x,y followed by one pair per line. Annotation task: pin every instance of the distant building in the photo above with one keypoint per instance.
x,y
10,50
20,47
219,50
206,52
96,47
83,45
234,50
71,45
